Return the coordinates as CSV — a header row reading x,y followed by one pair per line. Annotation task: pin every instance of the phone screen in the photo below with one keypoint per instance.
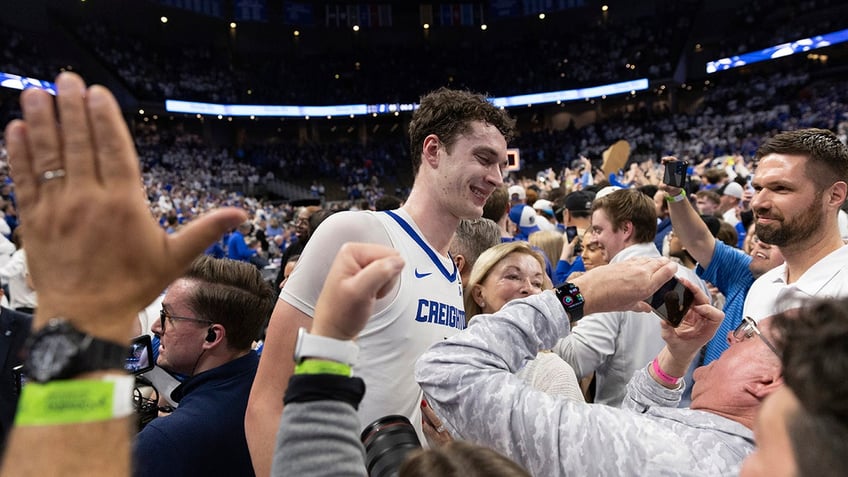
x,y
672,301
139,357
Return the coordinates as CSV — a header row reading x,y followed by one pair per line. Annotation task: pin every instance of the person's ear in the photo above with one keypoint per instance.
x,y
460,262
214,335
477,295
430,150
837,194
627,228
764,385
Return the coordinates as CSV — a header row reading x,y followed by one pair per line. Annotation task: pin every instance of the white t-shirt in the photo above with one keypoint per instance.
x,y
615,344
730,217
770,294
425,308
15,273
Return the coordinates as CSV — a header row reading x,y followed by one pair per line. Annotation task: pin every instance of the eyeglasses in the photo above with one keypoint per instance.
x,y
747,328
164,314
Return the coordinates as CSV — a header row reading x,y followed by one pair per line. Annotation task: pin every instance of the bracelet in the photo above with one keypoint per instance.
x,y
665,378
75,401
676,198
320,366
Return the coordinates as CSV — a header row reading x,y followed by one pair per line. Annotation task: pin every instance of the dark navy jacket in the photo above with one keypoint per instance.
x,y
14,330
205,434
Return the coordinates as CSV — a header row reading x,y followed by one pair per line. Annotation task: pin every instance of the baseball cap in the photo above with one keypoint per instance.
x,y
544,206
580,200
606,191
733,189
517,190
525,217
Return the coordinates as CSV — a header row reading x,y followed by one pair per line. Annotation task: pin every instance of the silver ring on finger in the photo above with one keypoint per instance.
x,y
51,174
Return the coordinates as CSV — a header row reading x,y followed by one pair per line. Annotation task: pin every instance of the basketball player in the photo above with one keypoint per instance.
x,y
458,149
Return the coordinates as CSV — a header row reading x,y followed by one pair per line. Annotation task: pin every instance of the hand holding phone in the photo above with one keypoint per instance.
x,y
571,234
672,301
676,173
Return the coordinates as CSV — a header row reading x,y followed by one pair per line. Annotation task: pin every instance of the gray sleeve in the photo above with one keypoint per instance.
x,y
643,393
590,343
468,380
319,438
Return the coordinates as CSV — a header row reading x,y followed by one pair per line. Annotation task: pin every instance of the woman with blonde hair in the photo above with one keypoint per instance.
x,y
550,242
506,272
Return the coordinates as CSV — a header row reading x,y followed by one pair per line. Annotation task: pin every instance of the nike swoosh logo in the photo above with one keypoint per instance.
x,y
422,275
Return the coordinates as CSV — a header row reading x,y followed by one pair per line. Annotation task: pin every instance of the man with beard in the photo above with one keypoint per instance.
x,y
800,184
731,270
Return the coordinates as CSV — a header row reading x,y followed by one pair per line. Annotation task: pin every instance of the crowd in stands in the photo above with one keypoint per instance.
x,y
742,389
545,58
756,25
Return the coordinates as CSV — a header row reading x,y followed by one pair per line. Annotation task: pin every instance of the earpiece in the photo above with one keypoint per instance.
x,y
211,335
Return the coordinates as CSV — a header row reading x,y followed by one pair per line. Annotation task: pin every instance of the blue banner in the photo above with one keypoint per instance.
x,y
206,7
505,8
250,10
295,13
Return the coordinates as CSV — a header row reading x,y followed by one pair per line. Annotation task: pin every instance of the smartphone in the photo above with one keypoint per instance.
x,y
672,301
139,360
675,173
570,233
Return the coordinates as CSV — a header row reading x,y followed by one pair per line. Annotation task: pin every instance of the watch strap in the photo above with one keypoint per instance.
x,y
99,355
323,348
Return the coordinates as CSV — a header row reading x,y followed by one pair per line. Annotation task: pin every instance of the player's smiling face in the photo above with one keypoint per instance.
x,y
472,169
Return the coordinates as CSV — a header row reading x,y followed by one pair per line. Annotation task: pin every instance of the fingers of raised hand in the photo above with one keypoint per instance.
x,y
77,147
42,136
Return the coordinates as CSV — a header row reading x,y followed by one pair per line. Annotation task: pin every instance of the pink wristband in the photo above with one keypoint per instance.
x,y
667,379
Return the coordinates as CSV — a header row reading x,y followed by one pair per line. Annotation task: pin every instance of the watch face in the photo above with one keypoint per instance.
x,y
50,356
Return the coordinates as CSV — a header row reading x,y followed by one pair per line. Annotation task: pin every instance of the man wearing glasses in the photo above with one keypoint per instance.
x,y
652,435
207,324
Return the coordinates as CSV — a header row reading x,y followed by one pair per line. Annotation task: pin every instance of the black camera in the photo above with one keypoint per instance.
x,y
140,360
387,442
675,173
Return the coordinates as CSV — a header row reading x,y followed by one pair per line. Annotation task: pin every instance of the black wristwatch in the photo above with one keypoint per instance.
x,y
60,351
572,300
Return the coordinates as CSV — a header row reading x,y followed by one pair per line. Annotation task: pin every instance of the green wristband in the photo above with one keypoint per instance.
x,y
320,366
676,198
75,401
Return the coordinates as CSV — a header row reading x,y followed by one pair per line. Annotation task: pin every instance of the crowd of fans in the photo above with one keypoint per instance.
x,y
566,222
545,58
524,372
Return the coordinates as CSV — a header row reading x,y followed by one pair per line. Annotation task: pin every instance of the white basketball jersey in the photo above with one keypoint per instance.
x,y
427,309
